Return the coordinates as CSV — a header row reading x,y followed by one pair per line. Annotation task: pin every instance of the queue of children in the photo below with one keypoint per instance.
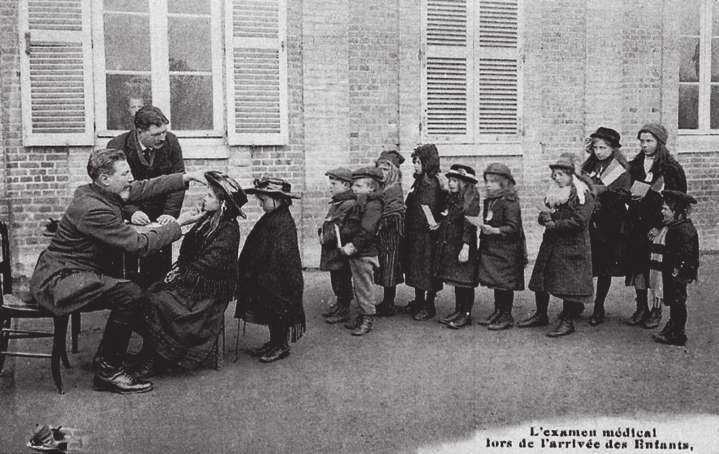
x,y
607,217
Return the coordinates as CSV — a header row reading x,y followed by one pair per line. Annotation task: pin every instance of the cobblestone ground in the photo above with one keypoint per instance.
x,y
405,386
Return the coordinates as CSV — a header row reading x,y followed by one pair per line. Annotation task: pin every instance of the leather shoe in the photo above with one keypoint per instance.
x,y
449,318
463,320
536,319
491,318
340,316
670,339
667,328
364,327
148,367
653,319
410,308
260,351
597,318
504,321
424,315
565,326
116,379
353,323
275,353
637,317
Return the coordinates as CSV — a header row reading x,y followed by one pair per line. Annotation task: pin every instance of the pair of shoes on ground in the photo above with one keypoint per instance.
x,y
563,328
497,320
270,352
669,337
424,314
457,320
109,377
361,325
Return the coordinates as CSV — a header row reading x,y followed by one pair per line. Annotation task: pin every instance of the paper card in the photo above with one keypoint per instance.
x,y
639,189
428,215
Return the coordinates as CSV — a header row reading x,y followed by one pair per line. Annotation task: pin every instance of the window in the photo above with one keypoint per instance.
x,y
169,53
698,109
161,52
471,71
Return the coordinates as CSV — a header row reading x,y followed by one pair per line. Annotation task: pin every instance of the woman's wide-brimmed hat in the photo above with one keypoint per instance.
x,y
497,168
392,156
678,199
230,187
611,136
273,187
462,172
565,162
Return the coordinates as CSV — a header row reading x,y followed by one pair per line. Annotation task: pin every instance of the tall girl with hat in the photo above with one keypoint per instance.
x,y
502,245
184,314
270,285
456,255
390,230
564,262
656,168
606,169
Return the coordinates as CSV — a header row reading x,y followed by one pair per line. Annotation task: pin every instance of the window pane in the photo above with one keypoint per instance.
x,y
189,6
688,106
714,108
124,92
689,18
189,41
689,60
126,5
127,42
191,102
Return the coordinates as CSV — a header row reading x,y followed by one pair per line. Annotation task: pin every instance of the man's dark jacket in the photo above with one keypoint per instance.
x,y
166,160
77,266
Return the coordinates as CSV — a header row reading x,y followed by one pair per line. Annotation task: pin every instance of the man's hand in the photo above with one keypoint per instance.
x,y
348,249
464,254
489,230
139,218
653,233
194,176
190,217
165,219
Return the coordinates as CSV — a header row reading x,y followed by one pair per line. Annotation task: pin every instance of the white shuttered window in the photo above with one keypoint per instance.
x,y
471,71
56,72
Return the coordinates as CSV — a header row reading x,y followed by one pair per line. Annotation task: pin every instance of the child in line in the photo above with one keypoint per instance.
x,y
359,233
419,249
390,230
332,259
564,262
674,263
456,256
502,245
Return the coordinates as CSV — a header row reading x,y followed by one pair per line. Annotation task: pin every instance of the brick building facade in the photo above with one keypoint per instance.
x,y
356,84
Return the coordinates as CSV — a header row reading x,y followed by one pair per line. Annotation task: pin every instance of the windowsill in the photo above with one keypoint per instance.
x,y
480,149
193,147
696,142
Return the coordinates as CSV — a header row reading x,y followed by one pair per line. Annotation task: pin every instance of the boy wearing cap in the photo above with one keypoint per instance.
x,y
674,263
332,259
359,234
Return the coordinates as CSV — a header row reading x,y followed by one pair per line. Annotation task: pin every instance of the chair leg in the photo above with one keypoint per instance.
x,y
4,339
75,329
59,350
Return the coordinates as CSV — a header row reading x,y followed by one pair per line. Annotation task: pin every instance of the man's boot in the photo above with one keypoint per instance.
x,y
109,377
653,319
364,327
642,311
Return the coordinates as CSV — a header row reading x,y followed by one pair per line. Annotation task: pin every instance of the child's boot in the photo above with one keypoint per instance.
x,y
364,327
493,317
642,311
341,315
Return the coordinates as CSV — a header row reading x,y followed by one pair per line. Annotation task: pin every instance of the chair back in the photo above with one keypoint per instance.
x,y
5,264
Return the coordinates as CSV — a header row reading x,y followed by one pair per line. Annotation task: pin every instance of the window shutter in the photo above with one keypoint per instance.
x,y
498,67
256,60
446,71
56,72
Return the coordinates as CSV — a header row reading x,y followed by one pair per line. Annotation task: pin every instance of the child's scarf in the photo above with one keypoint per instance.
x,y
656,259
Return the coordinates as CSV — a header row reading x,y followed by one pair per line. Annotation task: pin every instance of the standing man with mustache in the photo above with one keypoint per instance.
x,y
77,268
151,151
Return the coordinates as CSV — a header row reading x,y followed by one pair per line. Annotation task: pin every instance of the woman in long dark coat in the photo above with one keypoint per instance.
x,y
655,166
270,285
564,261
419,249
606,168
456,255
184,313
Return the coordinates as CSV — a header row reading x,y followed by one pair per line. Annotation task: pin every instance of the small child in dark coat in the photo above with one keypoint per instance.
x,y
674,264
359,233
456,256
502,246
332,259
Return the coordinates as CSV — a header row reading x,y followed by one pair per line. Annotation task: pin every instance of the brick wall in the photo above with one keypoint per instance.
x,y
354,90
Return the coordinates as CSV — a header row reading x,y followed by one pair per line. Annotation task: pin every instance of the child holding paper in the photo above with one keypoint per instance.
x,y
424,202
332,259
502,246
652,170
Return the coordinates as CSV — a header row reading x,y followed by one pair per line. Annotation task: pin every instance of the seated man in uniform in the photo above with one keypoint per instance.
x,y
75,270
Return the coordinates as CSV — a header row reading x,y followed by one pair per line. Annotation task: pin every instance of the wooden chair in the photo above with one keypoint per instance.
x,y
15,308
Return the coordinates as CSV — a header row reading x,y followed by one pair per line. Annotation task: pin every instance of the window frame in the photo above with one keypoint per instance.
x,y
160,71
